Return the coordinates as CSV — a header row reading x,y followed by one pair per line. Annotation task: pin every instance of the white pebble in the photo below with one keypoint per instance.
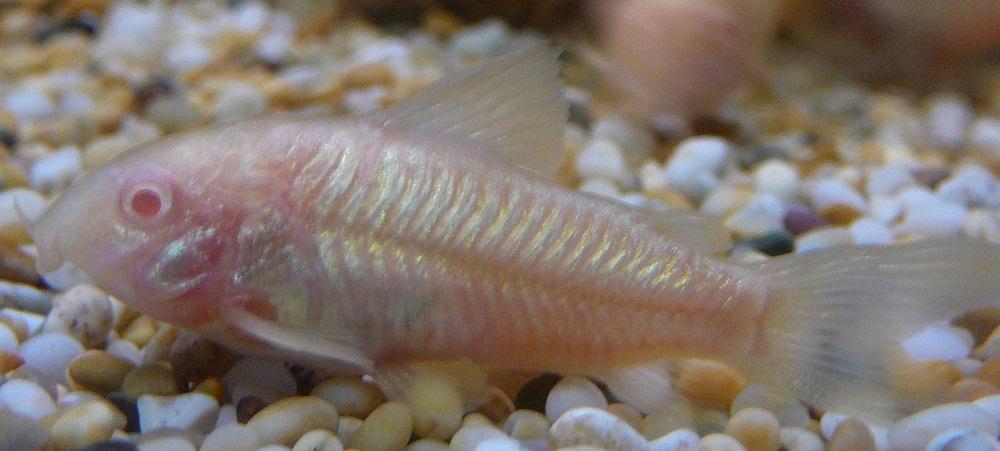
x,y
167,444
30,203
600,187
251,16
764,213
499,444
318,440
937,220
789,411
948,116
990,404
885,209
800,439
888,180
985,134
678,440
29,103
266,379
130,31
26,398
274,47
652,176
360,101
693,166
971,186
227,416
188,55
469,437
916,431
939,342
481,39
8,339
601,159
527,424
595,427
572,392
916,197
50,353
830,192
963,439
56,170
868,231
637,143
191,411
239,101
76,103
968,367
777,177
126,350
67,276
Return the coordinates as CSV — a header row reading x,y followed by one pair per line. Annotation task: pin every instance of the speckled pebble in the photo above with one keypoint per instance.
x,y
963,439
720,442
26,398
916,431
266,379
677,415
351,396
50,354
851,434
284,421
318,440
85,424
83,312
149,380
527,424
572,392
800,439
595,427
388,428
191,411
678,440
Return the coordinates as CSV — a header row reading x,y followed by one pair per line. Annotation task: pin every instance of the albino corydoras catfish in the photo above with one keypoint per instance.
x,y
428,238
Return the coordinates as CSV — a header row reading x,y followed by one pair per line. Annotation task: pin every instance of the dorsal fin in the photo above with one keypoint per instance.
x,y
511,105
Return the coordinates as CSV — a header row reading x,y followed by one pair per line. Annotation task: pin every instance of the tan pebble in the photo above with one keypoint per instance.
x,y
436,407
231,437
428,444
676,415
9,361
83,312
195,358
851,435
347,427
721,442
800,439
284,421
157,349
104,149
470,436
17,325
990,346
990,371
82,425
710,384
971,389
212,387
708,421
149,380
669,197
98,371
497,407
475,419
15,264
140,331
527,424
387,428
594,427
630,414
318,440
979,322
757,429
369,74
919,379
350,395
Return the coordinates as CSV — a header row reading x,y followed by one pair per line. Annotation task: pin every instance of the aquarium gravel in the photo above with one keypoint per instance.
x,y
800,160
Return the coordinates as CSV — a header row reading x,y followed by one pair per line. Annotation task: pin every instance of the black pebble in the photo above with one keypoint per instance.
x,y
128,408
110,445
532,395
8,138
579,114
247,407
86,23
774,243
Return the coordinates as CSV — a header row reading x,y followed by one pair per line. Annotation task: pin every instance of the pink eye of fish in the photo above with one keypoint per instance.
x,y
147,201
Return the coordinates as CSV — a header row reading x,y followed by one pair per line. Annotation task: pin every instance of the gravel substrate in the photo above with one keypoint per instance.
x,y
798,162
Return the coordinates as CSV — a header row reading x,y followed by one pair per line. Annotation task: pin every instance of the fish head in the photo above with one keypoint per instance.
x,y
146,227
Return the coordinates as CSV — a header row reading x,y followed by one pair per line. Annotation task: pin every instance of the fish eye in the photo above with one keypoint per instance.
x,y
147,201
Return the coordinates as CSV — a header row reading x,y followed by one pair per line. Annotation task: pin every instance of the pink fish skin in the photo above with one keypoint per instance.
x,y
429,233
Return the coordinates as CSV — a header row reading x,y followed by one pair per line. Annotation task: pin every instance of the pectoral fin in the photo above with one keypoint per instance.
x,y
439,393
308,347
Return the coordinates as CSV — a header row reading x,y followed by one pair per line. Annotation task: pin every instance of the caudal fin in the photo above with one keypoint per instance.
x,y
832,337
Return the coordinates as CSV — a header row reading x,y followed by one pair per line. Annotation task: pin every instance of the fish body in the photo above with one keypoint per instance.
x,y
427,239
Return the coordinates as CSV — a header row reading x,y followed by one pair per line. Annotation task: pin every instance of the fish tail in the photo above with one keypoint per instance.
x,y
835,320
